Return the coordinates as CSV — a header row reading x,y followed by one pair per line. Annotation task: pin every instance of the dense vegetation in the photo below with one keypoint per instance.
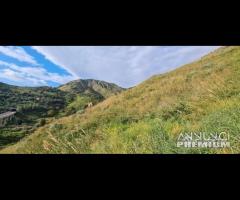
x,y
35,106
203,96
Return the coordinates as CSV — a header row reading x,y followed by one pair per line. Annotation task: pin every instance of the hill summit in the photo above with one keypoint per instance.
x,y
86,86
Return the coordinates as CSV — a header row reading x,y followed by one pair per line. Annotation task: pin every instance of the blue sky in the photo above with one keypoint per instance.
x,y
124,65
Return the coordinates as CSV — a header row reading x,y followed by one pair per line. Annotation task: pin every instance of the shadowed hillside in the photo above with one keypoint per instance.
x,y
203,96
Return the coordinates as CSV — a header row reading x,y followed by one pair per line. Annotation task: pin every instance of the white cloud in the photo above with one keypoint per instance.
x,y
17,53
30,76
20,78
124,65
54,58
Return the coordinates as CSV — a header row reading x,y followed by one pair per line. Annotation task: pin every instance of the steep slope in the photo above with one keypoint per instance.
x,y
203,96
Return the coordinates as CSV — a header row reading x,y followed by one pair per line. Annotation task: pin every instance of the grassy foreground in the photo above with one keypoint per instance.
x,y
203,96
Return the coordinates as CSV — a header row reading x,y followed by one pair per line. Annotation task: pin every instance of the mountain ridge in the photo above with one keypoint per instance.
x,y
100,87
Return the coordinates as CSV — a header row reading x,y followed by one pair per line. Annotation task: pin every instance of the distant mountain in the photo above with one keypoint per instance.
x,y
88,86
203,96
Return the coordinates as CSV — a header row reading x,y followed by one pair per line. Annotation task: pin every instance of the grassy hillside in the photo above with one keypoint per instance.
x,y
36,105
203,96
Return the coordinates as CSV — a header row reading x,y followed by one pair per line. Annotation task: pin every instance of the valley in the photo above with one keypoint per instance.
x,y
33,107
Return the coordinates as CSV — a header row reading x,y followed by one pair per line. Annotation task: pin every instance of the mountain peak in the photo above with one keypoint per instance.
x,y
102,88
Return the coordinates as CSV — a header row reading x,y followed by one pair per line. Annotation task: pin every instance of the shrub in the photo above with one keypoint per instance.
x,y
42,122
